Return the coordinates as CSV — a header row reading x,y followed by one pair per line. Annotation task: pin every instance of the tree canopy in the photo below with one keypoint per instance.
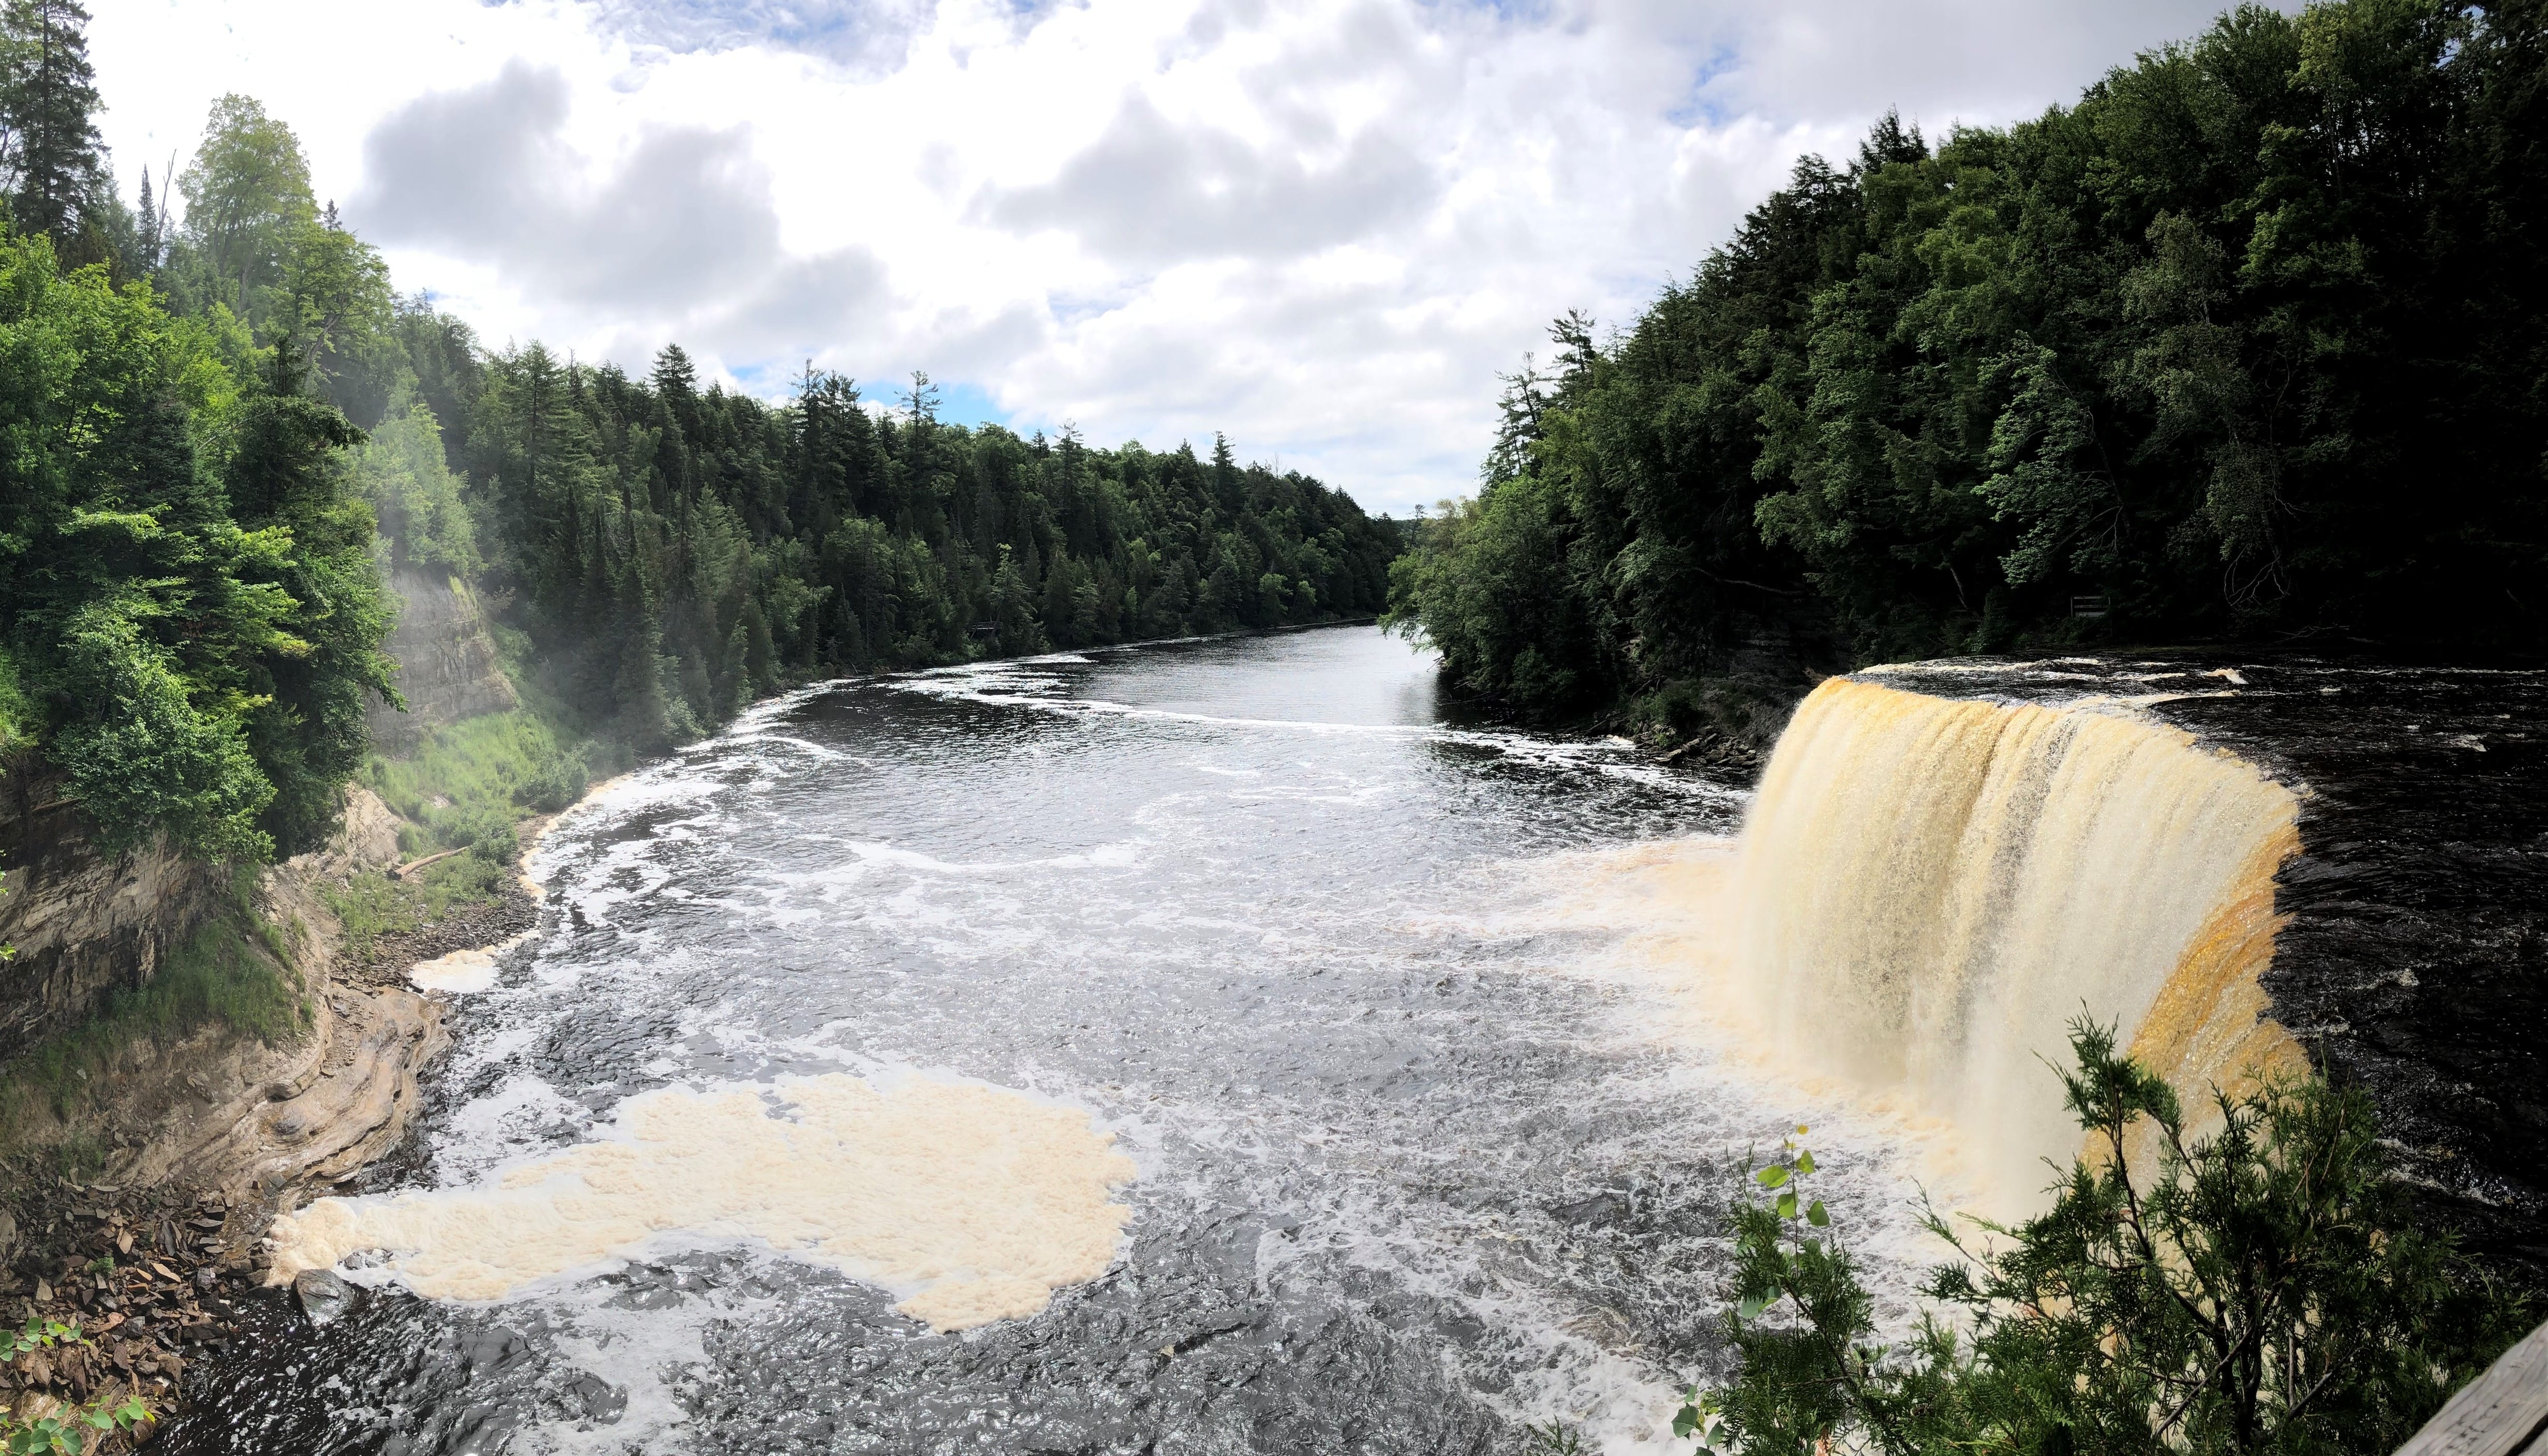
x,y
223,426
2247,342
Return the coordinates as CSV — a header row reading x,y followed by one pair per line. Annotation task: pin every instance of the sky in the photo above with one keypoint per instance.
x,y
1321,227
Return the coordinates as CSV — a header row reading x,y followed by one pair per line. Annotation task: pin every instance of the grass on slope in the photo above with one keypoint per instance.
x,y
233,972
374,905
470,782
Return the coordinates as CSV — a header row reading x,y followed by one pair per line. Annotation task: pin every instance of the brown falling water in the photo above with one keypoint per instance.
x,y
1928,890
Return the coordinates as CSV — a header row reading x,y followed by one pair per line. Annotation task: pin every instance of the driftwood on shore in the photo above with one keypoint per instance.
x,y
402,871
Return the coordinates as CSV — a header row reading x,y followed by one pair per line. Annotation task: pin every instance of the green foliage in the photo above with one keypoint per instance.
x,y
669,553
67,1431
247,198
289,473
1489,581
1553,1439
52,163
17,715
373,905
2246,341
37,1335
189,605
414,491
217,976
333,305
479,772
2258,1289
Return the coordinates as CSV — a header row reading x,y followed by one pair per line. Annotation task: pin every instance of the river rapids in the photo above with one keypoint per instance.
x,y
1420,1147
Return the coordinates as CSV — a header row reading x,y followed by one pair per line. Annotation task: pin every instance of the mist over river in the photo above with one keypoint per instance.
x,y
1423,1149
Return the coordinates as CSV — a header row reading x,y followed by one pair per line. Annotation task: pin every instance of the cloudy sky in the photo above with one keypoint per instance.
x,y
1319,226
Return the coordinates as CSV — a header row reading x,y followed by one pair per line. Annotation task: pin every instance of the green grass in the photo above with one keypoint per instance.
x,y
231,972
374,905
469,782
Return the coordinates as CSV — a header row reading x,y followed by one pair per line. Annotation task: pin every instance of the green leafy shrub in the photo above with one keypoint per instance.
x,y
2260,1289
69,1431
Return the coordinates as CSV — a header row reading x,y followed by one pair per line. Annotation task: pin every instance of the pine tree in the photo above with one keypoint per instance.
x,y
48,105
148,229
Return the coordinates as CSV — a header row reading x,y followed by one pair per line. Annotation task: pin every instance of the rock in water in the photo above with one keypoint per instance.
x,y
322,1294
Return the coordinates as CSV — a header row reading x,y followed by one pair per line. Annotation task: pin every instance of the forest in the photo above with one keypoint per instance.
x,y
2248,343
227,431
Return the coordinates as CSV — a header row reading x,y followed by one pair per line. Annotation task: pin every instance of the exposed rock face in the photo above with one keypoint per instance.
x,y
220,1110
447,666
83,922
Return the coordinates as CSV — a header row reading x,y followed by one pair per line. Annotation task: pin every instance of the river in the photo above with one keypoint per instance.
x,y
1420,1151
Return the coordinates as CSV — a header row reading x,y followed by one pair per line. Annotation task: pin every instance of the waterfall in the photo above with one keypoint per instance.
x,y
1928,891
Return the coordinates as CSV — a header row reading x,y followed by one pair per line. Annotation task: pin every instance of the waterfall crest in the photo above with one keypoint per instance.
x,y
1929,889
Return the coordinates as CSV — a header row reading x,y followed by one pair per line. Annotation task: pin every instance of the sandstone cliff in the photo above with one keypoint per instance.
x,y
83,922
219,1109
447,664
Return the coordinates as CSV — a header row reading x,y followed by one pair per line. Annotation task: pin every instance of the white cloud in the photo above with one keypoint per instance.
x,y
1320,226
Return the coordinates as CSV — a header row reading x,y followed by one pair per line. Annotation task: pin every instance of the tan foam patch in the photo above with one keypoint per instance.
x,y
463,971
976,1203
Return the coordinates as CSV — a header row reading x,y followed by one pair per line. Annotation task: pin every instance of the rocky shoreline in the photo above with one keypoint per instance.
x,y
209,1138
473,928
151,1277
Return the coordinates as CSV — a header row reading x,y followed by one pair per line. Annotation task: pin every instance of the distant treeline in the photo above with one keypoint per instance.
x,y
222,426
2248,343
676,552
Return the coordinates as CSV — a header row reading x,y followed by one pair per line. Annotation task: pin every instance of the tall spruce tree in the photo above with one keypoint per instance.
x,y
49,104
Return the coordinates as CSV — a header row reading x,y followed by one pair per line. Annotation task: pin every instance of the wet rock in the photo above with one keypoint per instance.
x,y
494,1351
597,1398
322,1296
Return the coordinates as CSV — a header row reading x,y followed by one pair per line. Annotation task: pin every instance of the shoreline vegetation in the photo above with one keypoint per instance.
x,y
2239,346
2260,1287
231,435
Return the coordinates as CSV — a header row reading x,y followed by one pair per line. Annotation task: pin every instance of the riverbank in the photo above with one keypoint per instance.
x,y
135,1200
144,1167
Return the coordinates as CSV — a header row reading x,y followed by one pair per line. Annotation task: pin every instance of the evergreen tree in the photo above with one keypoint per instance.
x,y
187,595
2245,344
55,162
149,227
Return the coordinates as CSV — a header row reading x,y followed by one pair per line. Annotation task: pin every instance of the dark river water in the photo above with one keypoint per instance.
x,y
1420,1158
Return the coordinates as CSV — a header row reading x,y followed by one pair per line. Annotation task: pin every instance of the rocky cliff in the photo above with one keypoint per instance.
x,y
83,922
447,664
216,1107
